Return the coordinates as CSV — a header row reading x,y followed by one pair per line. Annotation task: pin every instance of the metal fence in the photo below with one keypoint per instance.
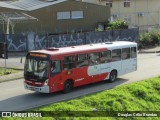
x,y
32,41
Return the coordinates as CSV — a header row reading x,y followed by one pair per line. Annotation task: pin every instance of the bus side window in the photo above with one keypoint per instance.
x,y
94,59
125,53
106,56
69,62
133,52
55,67
82,60
116,55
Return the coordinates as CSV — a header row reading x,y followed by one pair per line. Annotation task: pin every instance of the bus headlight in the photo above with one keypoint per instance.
x,y
46,82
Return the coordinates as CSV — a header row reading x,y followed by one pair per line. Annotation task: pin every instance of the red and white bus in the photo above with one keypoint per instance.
x,y
57,69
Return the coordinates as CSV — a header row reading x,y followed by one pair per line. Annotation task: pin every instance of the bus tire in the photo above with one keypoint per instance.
x,y
113,76
68,85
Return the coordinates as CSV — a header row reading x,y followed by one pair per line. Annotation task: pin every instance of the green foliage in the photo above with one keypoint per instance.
x,y
98,30
138,96
8,71
117,25
149,39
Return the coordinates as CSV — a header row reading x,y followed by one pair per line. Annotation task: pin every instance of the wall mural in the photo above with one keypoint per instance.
x,y
66,40
32,41
16,42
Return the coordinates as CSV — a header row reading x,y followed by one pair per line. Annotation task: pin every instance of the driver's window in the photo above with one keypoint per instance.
x,y
55,67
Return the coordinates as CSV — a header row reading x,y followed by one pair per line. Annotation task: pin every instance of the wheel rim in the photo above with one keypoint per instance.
x,y
113,76
68,86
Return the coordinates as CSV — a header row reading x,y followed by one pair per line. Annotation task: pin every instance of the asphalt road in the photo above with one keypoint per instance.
x,y
13,97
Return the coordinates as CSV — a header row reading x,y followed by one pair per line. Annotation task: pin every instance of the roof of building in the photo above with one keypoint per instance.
x,y
29,5
6,5
15,17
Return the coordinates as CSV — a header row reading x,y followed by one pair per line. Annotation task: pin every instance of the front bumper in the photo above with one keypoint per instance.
x,y
43,89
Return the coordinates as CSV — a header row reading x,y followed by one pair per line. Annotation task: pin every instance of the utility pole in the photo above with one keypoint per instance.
x,y
5,44
135,11
118,8
147,14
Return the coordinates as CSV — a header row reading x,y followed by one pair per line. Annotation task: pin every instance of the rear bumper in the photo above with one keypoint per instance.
x,y
43,89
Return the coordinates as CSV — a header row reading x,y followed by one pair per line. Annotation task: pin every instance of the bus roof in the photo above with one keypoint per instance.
x,y
85,48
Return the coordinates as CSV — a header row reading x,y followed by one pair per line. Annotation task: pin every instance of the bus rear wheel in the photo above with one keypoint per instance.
x,y
113,76
68,85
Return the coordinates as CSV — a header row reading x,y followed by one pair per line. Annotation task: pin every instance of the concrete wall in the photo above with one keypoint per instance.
x,y
32,41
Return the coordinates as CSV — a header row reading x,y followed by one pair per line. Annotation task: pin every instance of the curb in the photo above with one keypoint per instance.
x,y
14,76
7,80
149,52
13,68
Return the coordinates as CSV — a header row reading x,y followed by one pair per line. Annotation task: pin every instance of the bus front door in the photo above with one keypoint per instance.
x,y
105,70
94,72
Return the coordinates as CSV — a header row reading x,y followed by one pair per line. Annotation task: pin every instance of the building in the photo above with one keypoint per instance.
x,y
141,13
54,17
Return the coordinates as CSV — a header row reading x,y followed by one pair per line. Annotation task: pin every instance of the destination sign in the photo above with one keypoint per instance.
x,y
38,55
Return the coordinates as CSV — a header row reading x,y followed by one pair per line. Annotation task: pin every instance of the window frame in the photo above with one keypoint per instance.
x,y
133,53
77,17
127,54
127,3
70,15
119,56
60,65
61,16
106,58
109,3
96,61
71,64
82,60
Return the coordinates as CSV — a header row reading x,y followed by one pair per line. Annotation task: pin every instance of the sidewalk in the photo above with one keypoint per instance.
x,y
15,63
14,76
150,50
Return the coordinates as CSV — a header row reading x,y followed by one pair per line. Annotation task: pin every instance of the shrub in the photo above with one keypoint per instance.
x,y
117,25
98,30
149,39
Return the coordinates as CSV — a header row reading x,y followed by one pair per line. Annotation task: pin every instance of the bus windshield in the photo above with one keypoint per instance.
x,y
36,69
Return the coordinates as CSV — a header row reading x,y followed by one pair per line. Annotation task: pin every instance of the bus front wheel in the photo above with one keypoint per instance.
x,y
68,85
113,76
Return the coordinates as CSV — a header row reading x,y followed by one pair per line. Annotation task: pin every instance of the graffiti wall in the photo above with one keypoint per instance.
x,y
32,41
66,40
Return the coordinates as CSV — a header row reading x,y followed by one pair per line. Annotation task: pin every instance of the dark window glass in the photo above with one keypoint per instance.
x,y
94,58
125,53
116,55
105,56
126,3
55,67
109,3
69,62
82,60
133,52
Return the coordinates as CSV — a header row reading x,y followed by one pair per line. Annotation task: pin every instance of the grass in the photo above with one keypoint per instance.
x,y
138,96
8,71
